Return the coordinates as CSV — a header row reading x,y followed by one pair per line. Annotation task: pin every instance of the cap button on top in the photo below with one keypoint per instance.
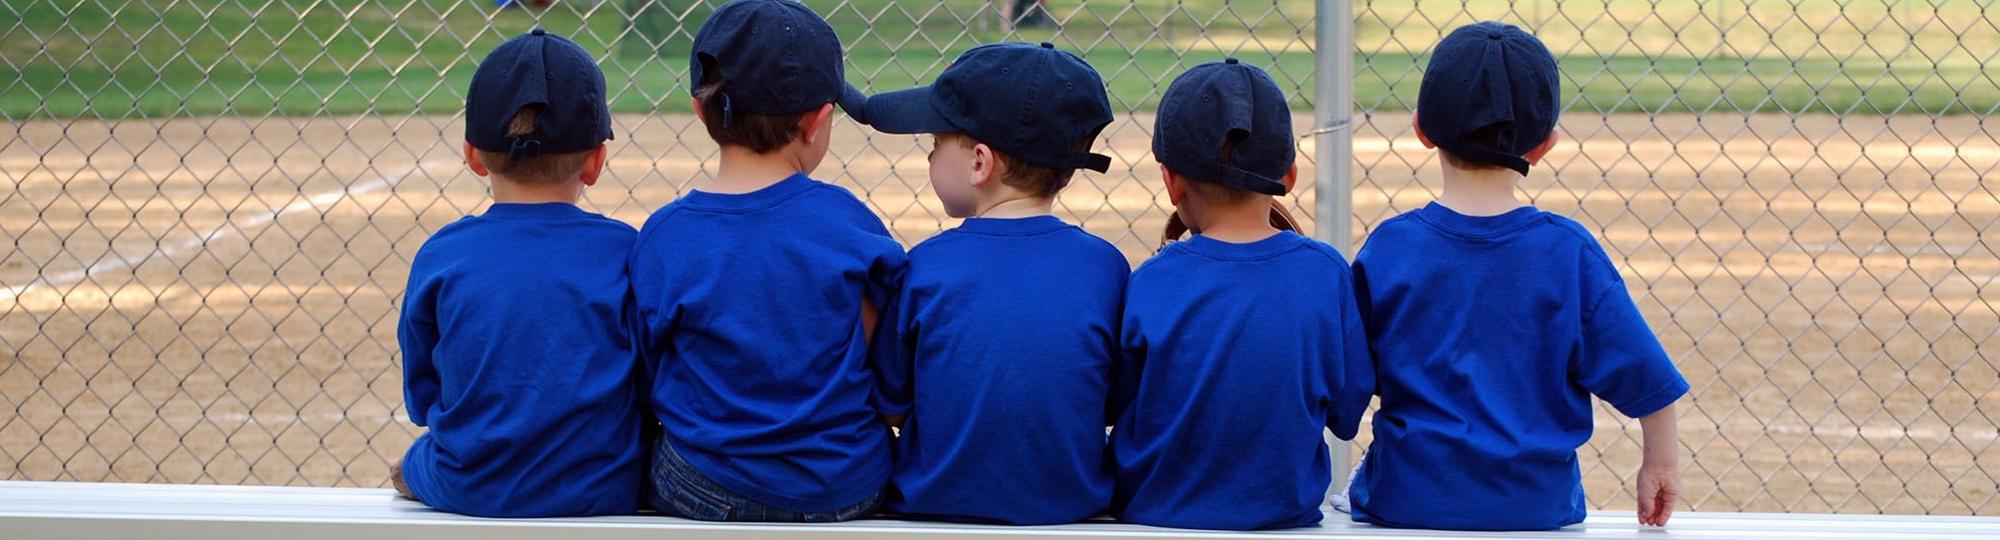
x,y
1230,60
1047,45
537,31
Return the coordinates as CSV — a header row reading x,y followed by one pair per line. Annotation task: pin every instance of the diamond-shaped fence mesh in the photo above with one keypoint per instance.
x,y
1793,192
212,206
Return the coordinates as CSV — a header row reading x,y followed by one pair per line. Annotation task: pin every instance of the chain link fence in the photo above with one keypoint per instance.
x,y
212,206
1793,191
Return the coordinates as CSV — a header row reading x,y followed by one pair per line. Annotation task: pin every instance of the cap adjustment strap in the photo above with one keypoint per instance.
x,y
522,147
1250,181
728,109
1236,116
1093,161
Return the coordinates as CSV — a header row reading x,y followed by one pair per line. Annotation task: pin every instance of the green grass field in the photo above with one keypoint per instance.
x,y
156,58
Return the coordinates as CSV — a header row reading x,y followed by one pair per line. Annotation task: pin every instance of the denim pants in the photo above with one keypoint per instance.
x,y
678,490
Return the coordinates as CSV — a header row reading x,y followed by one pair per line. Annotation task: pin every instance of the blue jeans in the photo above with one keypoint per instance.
x,y
680,491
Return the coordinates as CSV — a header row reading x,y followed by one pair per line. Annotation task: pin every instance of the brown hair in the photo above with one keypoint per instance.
x,y
761,133
1215,193
540,169
1455,161
1210,191
1019,174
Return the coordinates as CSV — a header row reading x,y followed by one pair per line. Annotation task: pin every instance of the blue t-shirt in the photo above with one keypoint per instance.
x,y
1000,352
750,325
515,356
1490,336
1236,358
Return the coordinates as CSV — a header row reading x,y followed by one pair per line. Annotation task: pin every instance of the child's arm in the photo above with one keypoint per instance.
x,y
417,336
871,321
1622,362
1351,377
1128,360
650,319
890,354
644,367
1660,472
889,357
870,316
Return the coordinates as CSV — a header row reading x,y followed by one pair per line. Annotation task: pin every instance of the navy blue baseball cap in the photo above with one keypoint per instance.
x,y
537,68
1490,95
1226,104
1029,101
776,57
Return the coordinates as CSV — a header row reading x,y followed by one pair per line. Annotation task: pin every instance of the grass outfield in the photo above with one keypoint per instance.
x,y
156,58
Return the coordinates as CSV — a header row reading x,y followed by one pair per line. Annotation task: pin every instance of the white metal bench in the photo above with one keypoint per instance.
x,y
86,511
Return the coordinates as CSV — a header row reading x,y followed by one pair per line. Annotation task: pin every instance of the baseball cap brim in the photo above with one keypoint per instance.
x,y
907,111
854,102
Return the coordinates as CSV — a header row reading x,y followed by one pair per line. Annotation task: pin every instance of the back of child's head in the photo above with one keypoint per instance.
x,y
1021,174
1039,108
536,108
1490,96
759,66
1227,129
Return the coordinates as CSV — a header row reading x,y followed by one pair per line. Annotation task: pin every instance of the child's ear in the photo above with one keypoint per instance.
x,y
1535,156
473,162
698,116
593,165
812,124
1176,186
1419,127
985,165
1291,177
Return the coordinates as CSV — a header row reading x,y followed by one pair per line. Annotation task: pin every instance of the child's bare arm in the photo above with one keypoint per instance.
x,y
1660,472
869,316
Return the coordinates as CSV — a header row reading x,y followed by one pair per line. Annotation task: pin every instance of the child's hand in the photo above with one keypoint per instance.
x,y
1659,488
1660,469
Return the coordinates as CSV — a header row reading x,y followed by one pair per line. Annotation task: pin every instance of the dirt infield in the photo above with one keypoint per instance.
x,y
213,300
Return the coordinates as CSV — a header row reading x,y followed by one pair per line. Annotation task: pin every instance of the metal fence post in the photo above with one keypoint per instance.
x,y
1332,122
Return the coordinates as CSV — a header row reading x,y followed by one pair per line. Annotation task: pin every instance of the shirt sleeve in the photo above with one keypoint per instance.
x,y
1353,369
417,335
892,356
1620,361
642,371
1127,364
1114,345
650,318
886,272
1364,301
892,350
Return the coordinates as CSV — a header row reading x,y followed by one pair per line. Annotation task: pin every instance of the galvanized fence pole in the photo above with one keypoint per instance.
x,y
1333,107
